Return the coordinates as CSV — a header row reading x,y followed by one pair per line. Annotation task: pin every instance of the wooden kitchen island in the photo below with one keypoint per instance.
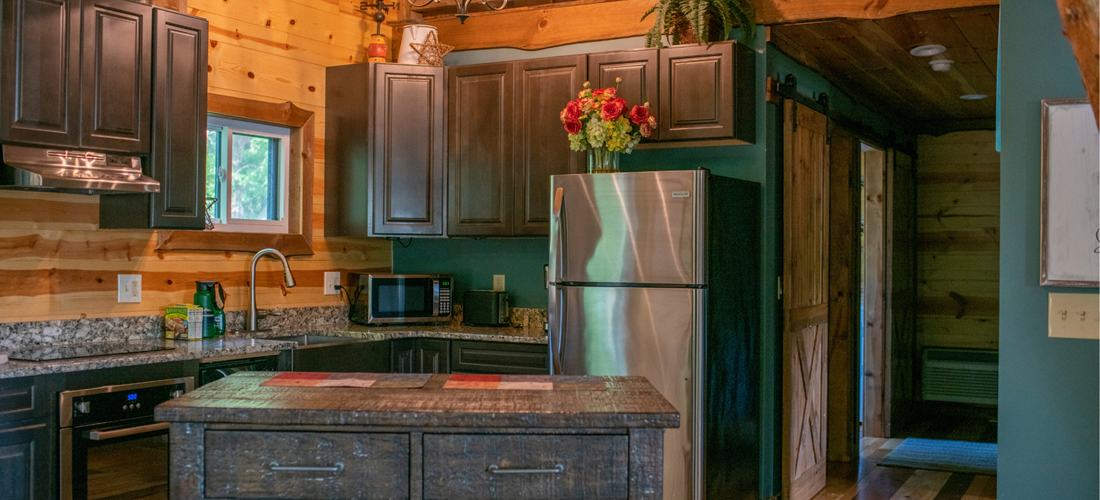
x,y
453,437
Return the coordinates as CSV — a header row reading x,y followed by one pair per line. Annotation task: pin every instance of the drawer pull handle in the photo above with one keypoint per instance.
x,y
556,470
337,468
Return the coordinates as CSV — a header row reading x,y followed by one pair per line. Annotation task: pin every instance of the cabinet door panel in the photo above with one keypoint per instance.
x,y
637,68
408,155
434,356
480,157
116,75
179,121
40,72
403,356
25,462
543,86
697,92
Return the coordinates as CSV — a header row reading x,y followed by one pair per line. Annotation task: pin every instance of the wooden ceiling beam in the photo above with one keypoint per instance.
x,y
551,25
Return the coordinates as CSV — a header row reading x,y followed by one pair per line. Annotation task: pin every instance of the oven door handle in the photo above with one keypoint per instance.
x,y
129,431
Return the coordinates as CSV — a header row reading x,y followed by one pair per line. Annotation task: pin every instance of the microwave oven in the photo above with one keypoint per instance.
x,y
380,299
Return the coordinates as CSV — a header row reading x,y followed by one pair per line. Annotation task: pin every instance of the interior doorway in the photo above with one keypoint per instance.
x,y
872,297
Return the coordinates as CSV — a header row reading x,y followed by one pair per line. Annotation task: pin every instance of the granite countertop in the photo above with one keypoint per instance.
x,y
181,351
260,342
617,402
454,332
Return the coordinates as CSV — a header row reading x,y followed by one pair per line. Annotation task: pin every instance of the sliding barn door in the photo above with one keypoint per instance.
x,y
805,298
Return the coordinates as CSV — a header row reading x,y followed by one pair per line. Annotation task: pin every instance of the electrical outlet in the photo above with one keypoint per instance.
x,y
498,282
331,280
1074,316
129,288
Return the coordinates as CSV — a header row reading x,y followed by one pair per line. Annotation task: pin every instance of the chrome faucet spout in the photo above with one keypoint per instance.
x,y
250,321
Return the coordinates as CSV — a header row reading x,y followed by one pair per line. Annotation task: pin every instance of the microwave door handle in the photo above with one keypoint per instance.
x,y
435,298
98,435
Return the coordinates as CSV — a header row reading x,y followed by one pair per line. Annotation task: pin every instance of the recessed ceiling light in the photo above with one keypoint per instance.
x,y
927,50
973,97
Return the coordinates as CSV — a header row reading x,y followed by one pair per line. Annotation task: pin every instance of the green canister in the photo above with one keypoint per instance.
x,y
211,297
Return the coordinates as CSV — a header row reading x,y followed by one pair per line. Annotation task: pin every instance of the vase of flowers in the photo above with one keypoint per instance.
x,y
598,122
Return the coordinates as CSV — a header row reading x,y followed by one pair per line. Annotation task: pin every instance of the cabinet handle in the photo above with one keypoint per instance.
x,y
336,468
556,470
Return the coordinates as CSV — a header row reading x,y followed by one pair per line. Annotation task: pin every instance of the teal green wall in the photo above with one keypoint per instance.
x,y
474,262
1049,412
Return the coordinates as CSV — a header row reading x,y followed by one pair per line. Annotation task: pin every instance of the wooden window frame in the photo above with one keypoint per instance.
x,y
299,238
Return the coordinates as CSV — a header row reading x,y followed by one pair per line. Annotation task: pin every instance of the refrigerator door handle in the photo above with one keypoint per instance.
x,y
557,332
558,212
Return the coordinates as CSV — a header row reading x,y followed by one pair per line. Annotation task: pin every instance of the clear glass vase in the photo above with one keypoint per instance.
x,y
602,161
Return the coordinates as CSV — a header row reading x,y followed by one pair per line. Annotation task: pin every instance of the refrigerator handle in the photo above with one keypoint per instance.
x,y
558,214
556,330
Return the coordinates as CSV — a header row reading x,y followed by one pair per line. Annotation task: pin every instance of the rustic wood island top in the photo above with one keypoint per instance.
x,y
627,402
534,437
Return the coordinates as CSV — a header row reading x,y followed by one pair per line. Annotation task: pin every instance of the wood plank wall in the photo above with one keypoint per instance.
x,y
958,240
55,263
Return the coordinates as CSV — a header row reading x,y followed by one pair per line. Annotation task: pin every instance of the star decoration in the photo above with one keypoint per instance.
x,y
431,51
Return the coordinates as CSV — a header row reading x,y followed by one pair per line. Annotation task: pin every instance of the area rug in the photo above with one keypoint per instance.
x,y
950,456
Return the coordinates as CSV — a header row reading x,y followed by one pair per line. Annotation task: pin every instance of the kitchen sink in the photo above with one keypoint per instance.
x,y
305,341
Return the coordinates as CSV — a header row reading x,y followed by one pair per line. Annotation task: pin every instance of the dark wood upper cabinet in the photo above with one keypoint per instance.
x,y
408,150
707,92
116,77
384,150
40,72
480,155
542,88
178,156
638,69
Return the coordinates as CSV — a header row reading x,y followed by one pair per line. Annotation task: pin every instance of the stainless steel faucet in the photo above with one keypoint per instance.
x,y
252,311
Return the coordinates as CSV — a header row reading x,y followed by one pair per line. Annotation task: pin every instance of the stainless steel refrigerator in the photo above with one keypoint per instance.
x,y
657,274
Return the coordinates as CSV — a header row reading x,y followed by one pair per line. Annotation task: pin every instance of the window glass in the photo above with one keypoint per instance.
x,y
246,175
255,177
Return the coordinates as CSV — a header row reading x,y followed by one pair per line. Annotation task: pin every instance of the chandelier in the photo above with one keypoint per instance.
x,y
462,5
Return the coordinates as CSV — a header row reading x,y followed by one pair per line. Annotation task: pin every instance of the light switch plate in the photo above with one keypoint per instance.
x,y
331,280
1074,316
129,288
498,282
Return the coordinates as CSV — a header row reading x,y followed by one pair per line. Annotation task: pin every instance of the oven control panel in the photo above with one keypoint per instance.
x,y
120,402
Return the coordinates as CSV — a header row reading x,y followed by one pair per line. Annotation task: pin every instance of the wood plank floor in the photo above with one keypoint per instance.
x,y
866,480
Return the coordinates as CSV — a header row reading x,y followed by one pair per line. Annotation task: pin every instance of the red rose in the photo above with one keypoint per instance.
x,y
645,129
573,126
571,111
612,109
639,115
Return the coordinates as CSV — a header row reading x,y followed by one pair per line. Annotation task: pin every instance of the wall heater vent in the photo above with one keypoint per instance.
x,y
960,376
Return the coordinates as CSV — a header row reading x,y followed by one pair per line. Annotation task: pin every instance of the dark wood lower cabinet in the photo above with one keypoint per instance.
x,y
25,462
403,356
433,356
469,356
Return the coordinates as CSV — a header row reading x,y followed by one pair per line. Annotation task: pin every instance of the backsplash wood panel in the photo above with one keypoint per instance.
x,y
55,264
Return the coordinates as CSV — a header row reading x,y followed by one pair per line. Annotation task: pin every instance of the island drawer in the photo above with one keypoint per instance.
x,y
495,466
306,465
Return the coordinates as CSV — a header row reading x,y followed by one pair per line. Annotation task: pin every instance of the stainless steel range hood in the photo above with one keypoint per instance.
x,y
81,172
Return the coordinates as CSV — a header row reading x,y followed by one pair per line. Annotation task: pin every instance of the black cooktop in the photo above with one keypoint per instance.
x,y
69,351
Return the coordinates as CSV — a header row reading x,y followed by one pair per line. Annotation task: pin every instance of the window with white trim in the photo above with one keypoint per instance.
x,y
246,175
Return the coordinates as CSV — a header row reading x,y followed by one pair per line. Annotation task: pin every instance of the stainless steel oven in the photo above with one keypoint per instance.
x,y
110,447
400,298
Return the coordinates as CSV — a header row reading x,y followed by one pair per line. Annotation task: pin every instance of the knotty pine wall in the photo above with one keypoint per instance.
x,y
56,264
958,249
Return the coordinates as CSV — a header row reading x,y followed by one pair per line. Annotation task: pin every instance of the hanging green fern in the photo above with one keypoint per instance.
x,y
668,15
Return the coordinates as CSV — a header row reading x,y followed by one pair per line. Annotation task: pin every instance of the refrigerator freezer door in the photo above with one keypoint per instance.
x,y
651,332
639,227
